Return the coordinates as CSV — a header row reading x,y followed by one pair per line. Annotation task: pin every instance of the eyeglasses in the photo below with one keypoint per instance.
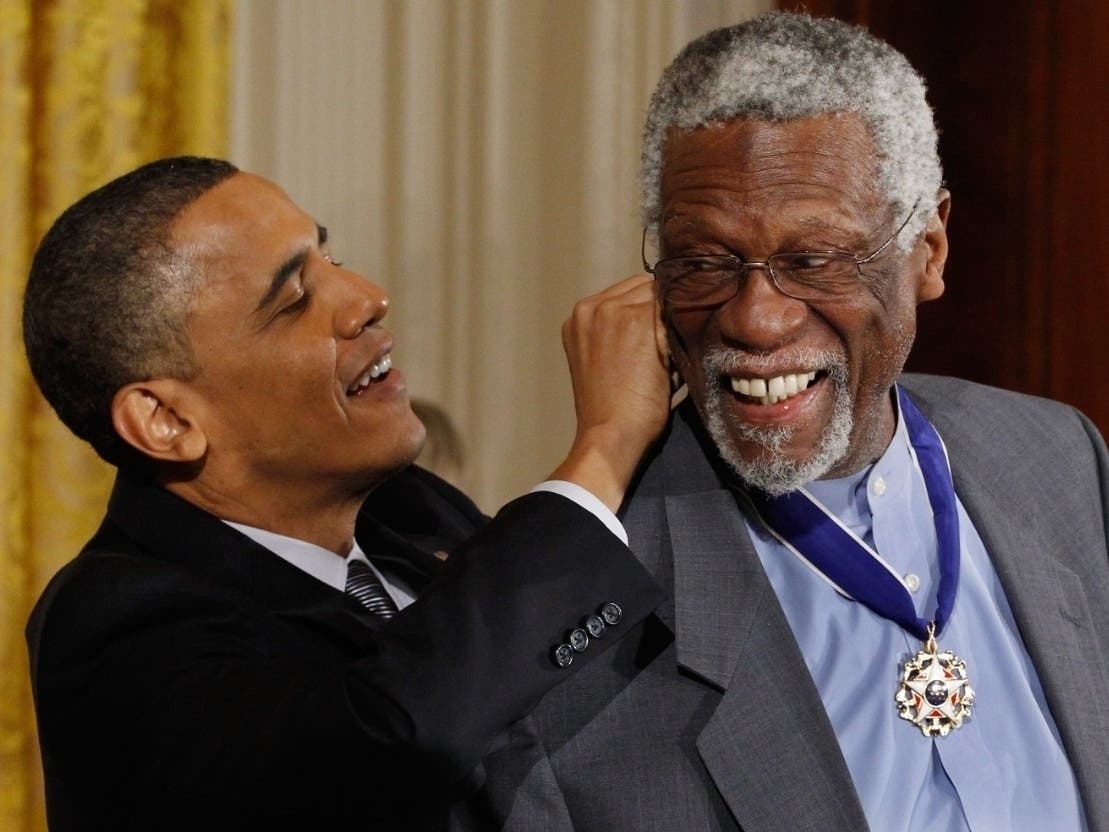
x,y
708,280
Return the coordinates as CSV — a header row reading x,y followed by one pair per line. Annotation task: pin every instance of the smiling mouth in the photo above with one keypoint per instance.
x,y
768,391
377,372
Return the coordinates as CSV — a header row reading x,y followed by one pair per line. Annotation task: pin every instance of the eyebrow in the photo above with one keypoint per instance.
x,y
287,269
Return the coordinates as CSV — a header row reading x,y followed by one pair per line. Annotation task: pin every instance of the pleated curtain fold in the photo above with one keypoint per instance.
x,y
88,90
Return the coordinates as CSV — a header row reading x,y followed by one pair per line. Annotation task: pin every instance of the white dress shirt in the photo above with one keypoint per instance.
x,y
325,565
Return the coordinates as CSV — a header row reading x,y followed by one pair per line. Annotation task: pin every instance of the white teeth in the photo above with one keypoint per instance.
x,y
773,390
379,368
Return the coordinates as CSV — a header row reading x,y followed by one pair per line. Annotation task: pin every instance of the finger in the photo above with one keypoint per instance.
x,y
638,298
635,285
627,293
627,285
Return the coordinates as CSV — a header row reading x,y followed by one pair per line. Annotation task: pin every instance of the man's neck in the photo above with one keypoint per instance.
x,y
295,513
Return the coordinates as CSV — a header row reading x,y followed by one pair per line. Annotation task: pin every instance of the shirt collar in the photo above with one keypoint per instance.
x,y
849,497
322,564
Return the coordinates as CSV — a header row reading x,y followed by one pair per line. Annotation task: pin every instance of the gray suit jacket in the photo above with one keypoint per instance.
x,y
708,719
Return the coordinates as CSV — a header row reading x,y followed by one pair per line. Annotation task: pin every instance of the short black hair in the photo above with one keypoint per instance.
x,y
107,297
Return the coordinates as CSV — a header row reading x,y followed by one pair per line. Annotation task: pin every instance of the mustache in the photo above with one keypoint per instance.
x,y
719,361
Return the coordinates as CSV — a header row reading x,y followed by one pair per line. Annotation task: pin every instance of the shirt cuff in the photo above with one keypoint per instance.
x,y
585,499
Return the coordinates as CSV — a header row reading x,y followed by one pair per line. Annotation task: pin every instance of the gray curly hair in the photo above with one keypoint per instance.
x,y
781,66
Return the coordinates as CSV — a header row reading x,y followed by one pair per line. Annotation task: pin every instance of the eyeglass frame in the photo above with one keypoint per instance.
x,y
747,265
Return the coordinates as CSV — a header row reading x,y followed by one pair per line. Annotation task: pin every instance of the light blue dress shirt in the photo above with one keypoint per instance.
x,y
1004,768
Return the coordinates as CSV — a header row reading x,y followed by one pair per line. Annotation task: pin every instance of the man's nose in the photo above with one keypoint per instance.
x,y
760,317
360,303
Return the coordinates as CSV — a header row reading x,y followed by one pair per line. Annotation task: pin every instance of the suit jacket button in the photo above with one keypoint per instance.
x,y
579,640
611,613
594,625
563,655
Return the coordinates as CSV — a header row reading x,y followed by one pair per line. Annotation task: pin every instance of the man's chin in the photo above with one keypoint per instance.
x,y
774,474
763,459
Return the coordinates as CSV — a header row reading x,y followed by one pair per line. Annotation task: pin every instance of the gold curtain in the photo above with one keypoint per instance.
x,y
88,89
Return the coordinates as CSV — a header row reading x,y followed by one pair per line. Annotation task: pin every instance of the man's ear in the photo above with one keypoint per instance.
x,y
154,417
935,242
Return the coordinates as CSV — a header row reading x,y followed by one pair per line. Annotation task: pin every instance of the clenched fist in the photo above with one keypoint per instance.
x,y
616,346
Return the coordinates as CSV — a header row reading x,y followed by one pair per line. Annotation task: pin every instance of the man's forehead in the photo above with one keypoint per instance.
x,y
735,142
242,197
830,155
238,214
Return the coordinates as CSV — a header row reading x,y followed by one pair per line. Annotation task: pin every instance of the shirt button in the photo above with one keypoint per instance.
x,y
878,486
912,582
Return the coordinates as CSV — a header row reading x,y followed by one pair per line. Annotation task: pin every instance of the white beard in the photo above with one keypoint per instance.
x,y
771,471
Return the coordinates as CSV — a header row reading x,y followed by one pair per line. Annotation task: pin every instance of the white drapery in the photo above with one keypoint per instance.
x,y
478,159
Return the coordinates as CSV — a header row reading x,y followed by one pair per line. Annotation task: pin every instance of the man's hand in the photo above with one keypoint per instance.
x,y
616,345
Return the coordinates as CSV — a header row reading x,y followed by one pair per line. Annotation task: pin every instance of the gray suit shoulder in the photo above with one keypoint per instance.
x,y
990,416
956,394
948,388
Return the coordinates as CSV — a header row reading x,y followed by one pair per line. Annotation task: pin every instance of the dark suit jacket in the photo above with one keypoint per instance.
x,y
187,678
707,718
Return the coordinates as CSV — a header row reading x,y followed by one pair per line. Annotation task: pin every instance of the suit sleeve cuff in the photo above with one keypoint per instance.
x,y
585,499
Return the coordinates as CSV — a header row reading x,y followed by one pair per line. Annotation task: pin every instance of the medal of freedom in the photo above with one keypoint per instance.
x,y
935,693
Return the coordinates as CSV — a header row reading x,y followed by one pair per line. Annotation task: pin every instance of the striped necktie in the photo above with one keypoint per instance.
x,y
364,585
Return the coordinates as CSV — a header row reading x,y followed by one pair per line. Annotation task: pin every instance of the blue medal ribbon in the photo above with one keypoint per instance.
x,y
803,523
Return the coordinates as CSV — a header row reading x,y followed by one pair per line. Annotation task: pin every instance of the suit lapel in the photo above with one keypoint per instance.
x,y
719,586
768,746
1052,611
171,529
410,524
396,555
1032,552
731,632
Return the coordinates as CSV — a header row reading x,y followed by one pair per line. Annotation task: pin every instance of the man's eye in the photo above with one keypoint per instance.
x,y
808,262
331,259
297,305
705,267
697,269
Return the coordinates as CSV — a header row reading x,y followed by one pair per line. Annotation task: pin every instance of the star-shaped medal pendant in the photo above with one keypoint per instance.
x,y
935,694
